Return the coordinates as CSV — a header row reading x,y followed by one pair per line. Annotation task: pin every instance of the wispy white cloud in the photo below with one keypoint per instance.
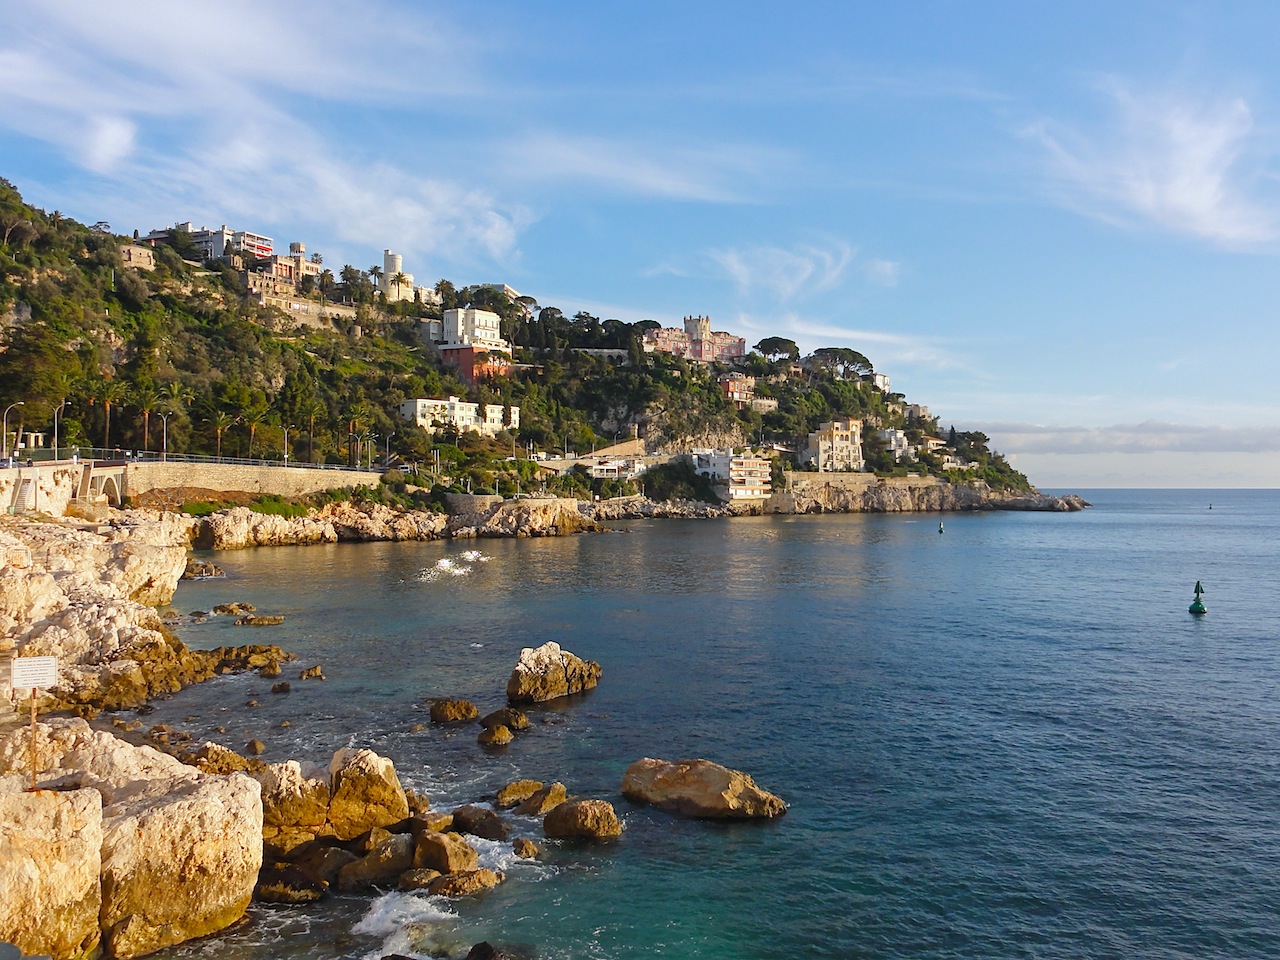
x,y
884,272
650,168
1150,436
785,274
187,113
1185,163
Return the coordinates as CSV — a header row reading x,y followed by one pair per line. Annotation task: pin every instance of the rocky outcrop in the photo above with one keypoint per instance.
x,y
864,493
699,788
179,853
366,793
640,508
543,800
445,852
547,672
583,820
50,869
528,517
465,884
86,601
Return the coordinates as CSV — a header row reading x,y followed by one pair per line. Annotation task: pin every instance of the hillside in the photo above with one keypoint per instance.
x,y
179,356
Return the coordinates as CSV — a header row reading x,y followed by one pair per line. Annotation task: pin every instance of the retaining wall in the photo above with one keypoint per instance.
x,y
286,481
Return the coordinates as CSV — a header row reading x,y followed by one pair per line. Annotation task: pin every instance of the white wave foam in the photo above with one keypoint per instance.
x,y
474,556
407,923
498,855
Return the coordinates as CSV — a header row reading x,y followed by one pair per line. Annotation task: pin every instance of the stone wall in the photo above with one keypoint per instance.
x,y
286,481
54,487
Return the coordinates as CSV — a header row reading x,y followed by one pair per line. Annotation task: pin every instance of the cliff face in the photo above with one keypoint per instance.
x,y
863,493
85,594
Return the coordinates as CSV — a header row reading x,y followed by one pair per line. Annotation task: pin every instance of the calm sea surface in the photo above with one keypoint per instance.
x,y
1006,740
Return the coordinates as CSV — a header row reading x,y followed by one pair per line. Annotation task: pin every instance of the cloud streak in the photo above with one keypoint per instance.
x,y
1150,436
784,274
1187,165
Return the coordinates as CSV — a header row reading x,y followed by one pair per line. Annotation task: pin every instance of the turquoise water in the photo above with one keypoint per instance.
x,y
1006,740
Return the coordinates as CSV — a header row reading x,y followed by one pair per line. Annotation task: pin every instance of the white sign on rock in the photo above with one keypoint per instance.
x,y
32,672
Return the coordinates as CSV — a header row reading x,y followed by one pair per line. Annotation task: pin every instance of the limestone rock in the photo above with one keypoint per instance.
x,y
292,801
253,620
583,819
465,884
543,801
289,883
325,863
181,850
547,672
495,736
50,869
514,720
384,863
235,608
446,852
524,848
312,673
201,570
699,788
451,711
517,792
480,822
418,878
366,793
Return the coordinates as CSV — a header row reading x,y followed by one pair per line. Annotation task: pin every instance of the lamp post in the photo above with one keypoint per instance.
x,y
4,437
286,445
56,410
164,432
386,459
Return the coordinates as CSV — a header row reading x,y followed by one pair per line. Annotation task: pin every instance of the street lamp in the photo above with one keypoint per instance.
x,y
57,410
386,460
286,445
164,449
4,437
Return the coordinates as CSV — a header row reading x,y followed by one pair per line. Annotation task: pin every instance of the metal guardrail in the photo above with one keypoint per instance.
x,y
105,457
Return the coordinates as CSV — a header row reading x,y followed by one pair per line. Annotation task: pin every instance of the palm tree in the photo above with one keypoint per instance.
x,y
325,283
398,278
375,274
176,396
220,420
109,392
311,409
145,399
253,418
357,417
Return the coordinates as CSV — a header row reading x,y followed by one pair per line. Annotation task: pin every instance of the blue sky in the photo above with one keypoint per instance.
x,y
1058,223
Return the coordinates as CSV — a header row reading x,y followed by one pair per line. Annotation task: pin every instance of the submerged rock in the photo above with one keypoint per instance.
x,y
453,711
699,788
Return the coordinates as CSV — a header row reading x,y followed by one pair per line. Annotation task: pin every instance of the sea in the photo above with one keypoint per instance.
x,y
1000,734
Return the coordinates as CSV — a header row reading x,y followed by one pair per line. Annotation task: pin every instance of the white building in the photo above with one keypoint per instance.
x,y
392,267
470,327
737,476
879,381
898,445
219,242
836,446
432,415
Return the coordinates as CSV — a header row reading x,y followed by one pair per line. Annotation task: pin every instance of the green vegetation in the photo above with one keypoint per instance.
x,y
180,360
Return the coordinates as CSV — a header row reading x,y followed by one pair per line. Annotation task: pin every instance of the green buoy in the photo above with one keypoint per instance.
x,y
1197,606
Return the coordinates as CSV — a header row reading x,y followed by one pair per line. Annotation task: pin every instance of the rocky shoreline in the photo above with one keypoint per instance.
x,y
126,848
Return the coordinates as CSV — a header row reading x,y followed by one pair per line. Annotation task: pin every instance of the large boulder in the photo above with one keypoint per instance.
x,y
294,806
583,820
543,800
453,710
446,852
180,849
50,869
366,793
480,822
699,788
383,864
547,672
516,792
465,884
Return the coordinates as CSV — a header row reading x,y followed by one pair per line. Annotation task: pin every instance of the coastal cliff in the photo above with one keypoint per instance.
x,y
866,493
